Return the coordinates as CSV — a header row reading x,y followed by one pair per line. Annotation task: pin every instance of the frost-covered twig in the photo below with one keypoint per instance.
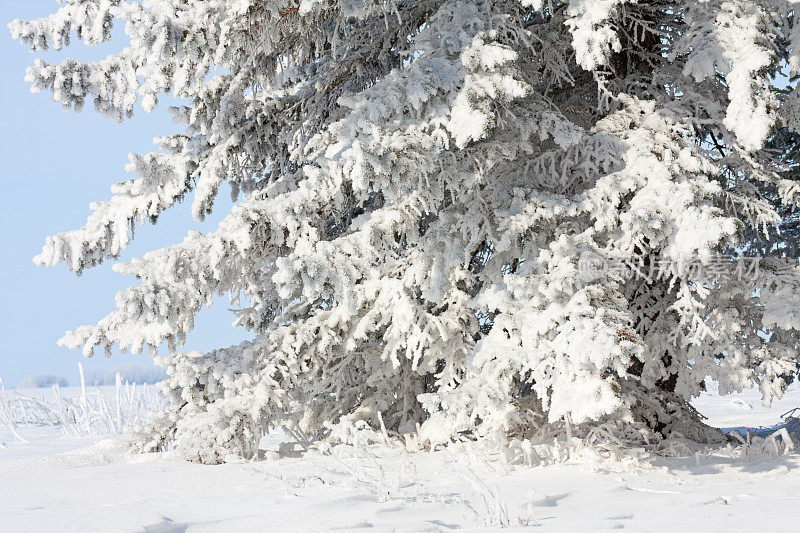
x,y
6,413
492,511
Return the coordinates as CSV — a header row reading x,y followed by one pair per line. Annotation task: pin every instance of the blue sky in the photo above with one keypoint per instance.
x,y
52,165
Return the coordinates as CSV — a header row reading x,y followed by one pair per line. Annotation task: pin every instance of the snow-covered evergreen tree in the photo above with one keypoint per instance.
x,y
420,186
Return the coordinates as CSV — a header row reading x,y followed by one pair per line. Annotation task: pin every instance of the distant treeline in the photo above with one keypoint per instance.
x,y
129,373
97,376
42,380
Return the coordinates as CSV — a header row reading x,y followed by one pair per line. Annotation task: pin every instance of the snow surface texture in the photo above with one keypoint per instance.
x,y
94,484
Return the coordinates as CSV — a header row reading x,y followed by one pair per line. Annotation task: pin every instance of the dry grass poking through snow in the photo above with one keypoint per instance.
x,y
93,411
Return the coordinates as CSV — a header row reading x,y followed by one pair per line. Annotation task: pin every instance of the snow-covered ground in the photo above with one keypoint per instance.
x,y
745,409
53,483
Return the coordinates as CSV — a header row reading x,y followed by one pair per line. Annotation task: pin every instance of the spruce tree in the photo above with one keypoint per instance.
x,y
433,200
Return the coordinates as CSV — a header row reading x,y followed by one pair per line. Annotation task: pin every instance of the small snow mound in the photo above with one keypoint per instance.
x,y
233,459
111,446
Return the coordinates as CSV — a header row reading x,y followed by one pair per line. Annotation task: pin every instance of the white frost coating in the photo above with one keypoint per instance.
x,y
593,37
469,122
537,5
735,44
419,187
162,181
739,26
307,5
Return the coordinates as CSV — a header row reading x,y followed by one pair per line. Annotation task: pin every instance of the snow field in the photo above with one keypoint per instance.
x,y
88,483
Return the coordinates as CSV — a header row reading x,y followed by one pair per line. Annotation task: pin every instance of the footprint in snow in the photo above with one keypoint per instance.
x,y
741,404
549,501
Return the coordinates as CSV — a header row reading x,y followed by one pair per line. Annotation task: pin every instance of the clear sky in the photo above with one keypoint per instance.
x,y
52,165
